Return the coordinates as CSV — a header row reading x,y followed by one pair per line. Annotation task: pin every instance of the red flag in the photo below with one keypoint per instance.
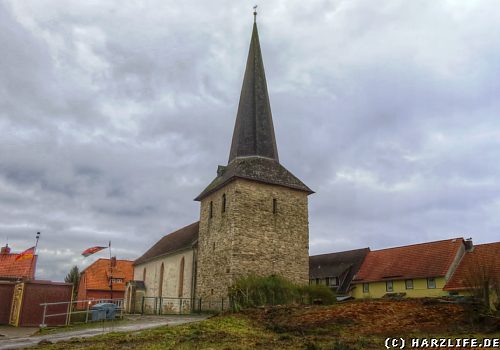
x,y
92,250
27,254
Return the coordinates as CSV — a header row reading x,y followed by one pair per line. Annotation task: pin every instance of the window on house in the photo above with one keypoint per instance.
x,y
275,205
366,287
317,280
224,203
144,275
431,283
409,284
211,210
389,286
213,246
332,281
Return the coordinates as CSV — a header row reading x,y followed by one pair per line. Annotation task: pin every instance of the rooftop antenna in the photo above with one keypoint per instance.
x,y
255,14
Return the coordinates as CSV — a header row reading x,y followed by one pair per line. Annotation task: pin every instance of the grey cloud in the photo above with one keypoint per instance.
x,y
114,117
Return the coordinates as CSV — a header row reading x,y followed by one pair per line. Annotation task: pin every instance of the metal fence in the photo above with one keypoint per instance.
x,y
180,306
79,311
82,308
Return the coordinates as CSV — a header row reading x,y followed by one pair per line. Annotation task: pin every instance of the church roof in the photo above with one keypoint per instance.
x,y
257,169
171,243
254,154
254,132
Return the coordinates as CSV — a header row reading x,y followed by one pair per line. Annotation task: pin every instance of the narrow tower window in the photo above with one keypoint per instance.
x,y
211,210
224,203
160,287
275,205
181,278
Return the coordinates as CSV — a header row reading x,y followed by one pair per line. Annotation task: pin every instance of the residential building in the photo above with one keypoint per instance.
x,y
478,268
418,270
105,279
12,270
336,270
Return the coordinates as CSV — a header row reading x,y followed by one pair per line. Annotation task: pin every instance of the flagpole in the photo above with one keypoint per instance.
x,y
33,260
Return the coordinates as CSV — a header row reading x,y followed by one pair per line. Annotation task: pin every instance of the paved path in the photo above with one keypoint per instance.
x,y
137,325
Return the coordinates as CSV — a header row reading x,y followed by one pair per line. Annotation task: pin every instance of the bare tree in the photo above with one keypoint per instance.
x,y
482,279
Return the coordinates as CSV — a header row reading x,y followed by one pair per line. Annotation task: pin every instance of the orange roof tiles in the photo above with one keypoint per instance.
x,y
96,276
432,259
12,269
483,259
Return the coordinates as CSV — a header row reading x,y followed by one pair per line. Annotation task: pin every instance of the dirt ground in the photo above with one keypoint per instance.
x,y
377,317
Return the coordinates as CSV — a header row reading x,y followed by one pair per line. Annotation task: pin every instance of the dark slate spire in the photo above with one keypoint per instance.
x,y
254,132
254,155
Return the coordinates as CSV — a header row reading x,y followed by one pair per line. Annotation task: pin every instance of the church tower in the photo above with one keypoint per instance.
x,y
254,214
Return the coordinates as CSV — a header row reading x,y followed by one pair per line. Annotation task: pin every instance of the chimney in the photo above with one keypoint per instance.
x,y
468,245
5,250
113,261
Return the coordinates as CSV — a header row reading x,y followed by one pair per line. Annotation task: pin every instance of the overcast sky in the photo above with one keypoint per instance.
x,y
115,114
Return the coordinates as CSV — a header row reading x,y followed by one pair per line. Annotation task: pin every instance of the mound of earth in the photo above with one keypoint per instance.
x,y
376,317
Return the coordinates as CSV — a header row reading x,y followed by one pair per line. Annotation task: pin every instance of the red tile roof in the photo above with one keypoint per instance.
x,y
96,276
484,258
432,259
14,270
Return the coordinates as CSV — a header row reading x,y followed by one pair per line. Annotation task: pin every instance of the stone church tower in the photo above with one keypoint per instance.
x,y
254,214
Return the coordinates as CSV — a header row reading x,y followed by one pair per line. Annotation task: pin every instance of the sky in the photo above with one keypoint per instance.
x,y
114,116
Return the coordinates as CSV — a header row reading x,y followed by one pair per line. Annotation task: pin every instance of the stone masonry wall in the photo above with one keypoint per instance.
x,y
248,238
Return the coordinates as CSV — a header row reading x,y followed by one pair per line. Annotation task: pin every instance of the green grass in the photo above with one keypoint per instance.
x,y
222,332
231,332
343,326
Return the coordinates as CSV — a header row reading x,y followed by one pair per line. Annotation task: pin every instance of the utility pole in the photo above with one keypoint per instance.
x,y
110,271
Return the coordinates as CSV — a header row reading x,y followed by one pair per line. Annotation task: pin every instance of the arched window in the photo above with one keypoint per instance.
x,y
224,203
160,288
211,210
181,278
144,275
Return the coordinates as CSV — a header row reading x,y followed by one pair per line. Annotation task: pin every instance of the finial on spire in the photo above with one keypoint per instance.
x,y
255,13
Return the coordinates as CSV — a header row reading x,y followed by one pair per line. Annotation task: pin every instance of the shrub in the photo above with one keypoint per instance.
x,y
317,294
254,291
